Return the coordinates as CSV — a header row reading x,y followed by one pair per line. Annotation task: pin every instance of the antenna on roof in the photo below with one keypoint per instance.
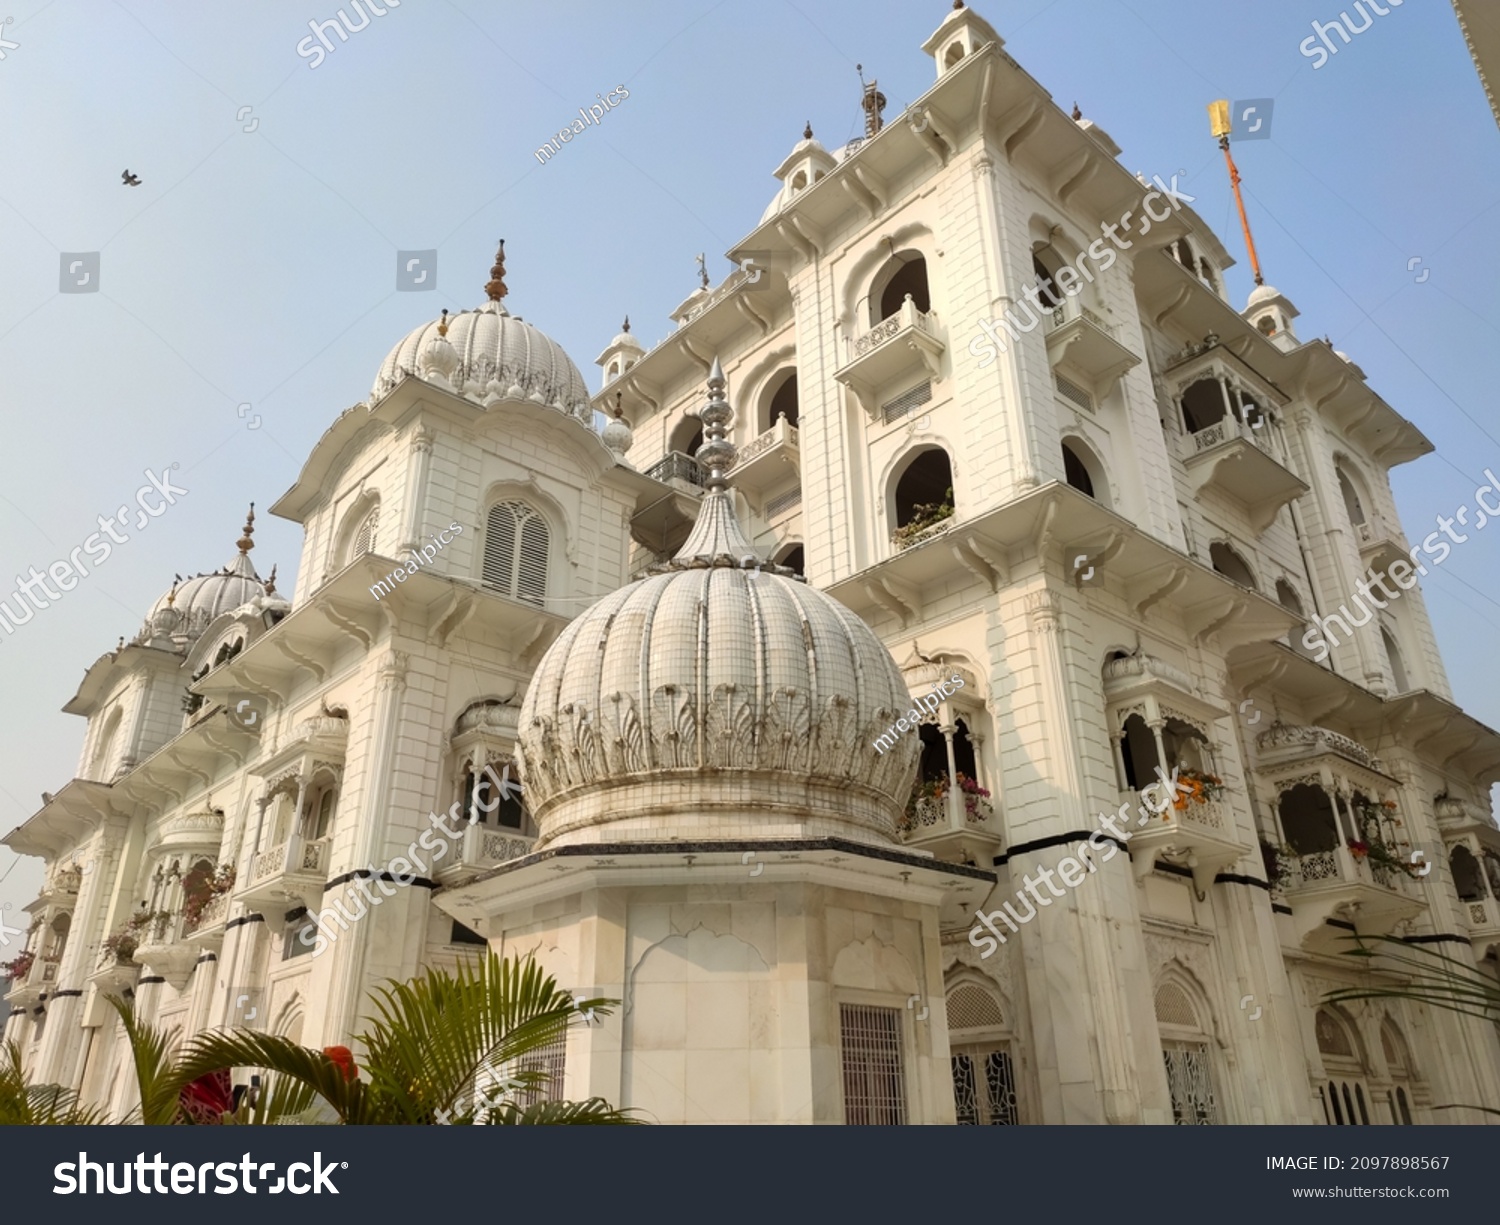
x,y
872,103
1219,122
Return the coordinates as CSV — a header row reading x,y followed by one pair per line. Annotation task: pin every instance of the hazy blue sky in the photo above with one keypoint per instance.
x,y
259,266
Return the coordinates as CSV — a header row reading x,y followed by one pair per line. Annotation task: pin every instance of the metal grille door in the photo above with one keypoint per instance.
x,y
874,1079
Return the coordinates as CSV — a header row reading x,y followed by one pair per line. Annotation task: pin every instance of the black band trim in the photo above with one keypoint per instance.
x,y
1234,878
244,918
1043,844
149,979
1440,938
368,874
205,957
1281,908
57,995
1340,923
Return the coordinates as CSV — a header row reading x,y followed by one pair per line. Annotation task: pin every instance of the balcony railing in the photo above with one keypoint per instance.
x,y
957,826
486,846
677,467
1332,889
1067,311
901,542
1200,835
780,432
885,357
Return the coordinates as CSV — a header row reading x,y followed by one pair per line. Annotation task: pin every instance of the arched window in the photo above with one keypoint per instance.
x,y
907,275
984,1074
318,810
1267,325
1183,249
1352,503
1231,565
364,536
1046,291
1307,819
687,437
1287,597
1398,664
1398,1064
793,558
923,496
491,797
515,552
1466,879
228,651
1187,1053
1083,471
57,937
1203,405
955,53
1345,1097
614,369
783,403
1185,746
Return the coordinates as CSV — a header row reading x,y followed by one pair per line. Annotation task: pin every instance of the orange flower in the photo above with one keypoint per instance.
x,y
344,1058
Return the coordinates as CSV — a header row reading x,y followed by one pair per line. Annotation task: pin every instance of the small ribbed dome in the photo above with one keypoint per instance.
x,y
1260,294
489,354
717,697
186,610
492,344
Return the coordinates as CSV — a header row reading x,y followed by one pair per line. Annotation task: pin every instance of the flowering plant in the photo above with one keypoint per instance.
x,y
123,944
937,788
199,888
1201,788
19,967
1358,849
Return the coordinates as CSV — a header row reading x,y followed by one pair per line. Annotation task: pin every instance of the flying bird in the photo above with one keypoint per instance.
x,y
131,180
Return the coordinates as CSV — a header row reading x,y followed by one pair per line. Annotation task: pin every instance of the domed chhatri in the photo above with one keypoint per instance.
x,y
489,354
186,610
718,697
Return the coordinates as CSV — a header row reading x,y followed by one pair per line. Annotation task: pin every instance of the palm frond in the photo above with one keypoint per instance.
x,y
596,1111
297,1075
26,1105
150,1053
1428,977
433,1037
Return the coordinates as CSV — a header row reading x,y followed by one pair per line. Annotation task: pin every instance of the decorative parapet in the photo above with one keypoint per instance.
x,y
1316,740
1131,666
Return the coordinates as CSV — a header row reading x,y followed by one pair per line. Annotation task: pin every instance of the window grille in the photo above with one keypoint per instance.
x,y
906,401
1190,1080
1173,1006
364,539
552,1060
992,1104
874,1079
971,1007
515,552
784,502
1070,390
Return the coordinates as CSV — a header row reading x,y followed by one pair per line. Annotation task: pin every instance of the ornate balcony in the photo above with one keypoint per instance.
x,y
1483,919
1199,836
678,469
291,874
896,349
1240,463
164,951
956,827
1336,885
483,847
209,929
1081,344
768,461
1286,743
1379,542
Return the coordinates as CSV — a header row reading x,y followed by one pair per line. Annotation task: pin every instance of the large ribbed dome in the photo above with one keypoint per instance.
x,y
489,354
715,698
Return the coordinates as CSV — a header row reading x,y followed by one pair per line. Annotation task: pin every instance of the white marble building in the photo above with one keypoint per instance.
x,y
1112,529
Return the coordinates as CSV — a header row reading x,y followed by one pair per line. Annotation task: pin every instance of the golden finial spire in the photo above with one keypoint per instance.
x,y
443,324
271,582
245,543
496,287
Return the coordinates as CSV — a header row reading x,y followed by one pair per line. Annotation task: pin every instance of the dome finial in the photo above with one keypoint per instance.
x,y
271,582
626,328
245,543
496,290
443,323
717,453
702,269
807,131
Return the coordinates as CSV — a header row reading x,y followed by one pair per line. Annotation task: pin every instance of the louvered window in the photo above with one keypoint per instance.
x,y
515,552
364,539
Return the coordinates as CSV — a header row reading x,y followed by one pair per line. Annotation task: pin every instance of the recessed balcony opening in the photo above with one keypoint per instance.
x,y
1352,504
1399,680
923,496
793,558
1231,565
687,437
783,403
907,274
1466,878
1047,292
1183,745
1203,405
1083,471
1307,819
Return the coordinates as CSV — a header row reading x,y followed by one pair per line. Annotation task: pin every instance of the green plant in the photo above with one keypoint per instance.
x,y
27,1105
923,516
430,1041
